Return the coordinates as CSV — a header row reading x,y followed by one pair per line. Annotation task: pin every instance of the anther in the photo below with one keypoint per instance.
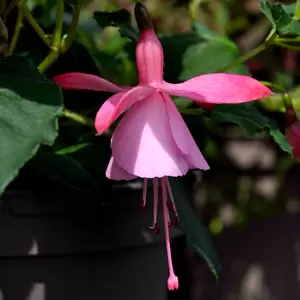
x,y
155,228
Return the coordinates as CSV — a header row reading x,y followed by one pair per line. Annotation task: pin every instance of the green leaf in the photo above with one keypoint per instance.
x,y
245,115
210,54
280,139
250,119
67,170
72,149
197,235
174,48
289,8
29,109
280,17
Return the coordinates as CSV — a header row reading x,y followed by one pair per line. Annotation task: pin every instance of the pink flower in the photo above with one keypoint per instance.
x,y
152,140
292,132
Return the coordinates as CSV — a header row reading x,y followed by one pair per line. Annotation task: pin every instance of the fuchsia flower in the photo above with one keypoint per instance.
x,y
152,140
292,132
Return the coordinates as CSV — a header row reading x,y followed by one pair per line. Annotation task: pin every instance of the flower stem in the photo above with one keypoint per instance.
x,y
287,40
245,57
284,45
3,39
10,7
59,24
56,39
16,34
72,30
28,16
78,118
274,86
48,61
2,7
58,47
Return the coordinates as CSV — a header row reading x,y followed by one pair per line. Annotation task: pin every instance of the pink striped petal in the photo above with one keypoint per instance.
x,y
219,88
82,81
114,172
143,144
149,58
183,137
114,106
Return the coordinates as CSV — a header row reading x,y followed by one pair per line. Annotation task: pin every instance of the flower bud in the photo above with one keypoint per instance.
x,y
142,17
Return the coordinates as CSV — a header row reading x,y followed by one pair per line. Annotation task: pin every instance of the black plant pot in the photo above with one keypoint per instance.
x,y
61,246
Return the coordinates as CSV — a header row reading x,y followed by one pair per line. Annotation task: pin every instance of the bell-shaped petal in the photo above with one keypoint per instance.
x,y
114,106
115,172
183,137
142,143
219,88
292,134
82,81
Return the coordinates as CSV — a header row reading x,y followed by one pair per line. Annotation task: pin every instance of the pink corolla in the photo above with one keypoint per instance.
x,y
152,141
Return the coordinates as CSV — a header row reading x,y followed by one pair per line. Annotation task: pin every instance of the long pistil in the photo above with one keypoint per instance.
x,y
173,283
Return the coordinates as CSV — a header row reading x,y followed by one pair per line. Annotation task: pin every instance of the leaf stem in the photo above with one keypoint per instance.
x,y
16,34
78,118
28,16
245,57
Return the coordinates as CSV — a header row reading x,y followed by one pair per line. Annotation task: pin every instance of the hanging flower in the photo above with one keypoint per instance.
x,y
152,141
292,132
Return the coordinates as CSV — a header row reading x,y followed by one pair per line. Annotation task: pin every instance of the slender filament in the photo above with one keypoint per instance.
x,y
145,193
155,204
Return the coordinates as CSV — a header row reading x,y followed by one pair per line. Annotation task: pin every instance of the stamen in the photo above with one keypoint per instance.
x,y
144,193
155,205
169,219
172,207
173,283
